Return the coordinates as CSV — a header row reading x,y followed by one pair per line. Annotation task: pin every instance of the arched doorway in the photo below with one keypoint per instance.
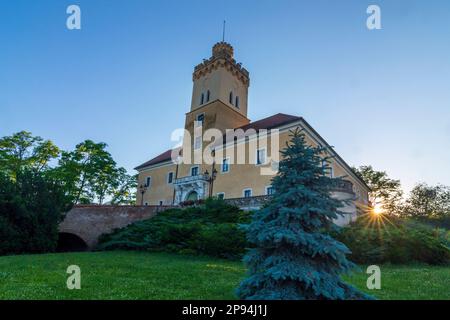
x,y
192,196
70,242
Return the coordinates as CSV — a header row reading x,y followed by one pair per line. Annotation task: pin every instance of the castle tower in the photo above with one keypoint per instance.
x,y
221,78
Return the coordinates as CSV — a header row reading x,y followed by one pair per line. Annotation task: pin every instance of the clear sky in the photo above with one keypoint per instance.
x,y
381,97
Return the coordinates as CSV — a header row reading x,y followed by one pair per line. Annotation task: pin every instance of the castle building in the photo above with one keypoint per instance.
x,y
220,102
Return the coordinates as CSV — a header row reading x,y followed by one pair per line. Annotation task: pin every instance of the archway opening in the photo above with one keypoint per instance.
x,y
192,196
70,242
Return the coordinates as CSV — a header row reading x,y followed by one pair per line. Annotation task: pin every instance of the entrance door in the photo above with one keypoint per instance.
x,y
192,196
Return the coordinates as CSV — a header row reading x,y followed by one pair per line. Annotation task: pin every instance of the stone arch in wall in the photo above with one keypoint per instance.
x,y
86,223
68,242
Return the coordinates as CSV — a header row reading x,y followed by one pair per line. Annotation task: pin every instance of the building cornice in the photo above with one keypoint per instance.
x,y
213,101
165,163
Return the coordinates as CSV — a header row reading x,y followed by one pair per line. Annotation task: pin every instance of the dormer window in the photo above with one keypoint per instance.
x,y
236,103
207,96
231,98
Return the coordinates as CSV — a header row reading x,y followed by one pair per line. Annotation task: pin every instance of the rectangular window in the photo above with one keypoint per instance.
x,y
221,195
247,193
275,165
170,177
270,190
327,168
194,171
226,165
148,181
261,156
198,143
160,202
200,119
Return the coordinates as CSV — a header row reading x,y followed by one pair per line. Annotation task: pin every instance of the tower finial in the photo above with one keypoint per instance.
x,y
223,31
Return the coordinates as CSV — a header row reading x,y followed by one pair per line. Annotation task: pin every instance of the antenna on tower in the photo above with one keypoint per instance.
x,y
223,31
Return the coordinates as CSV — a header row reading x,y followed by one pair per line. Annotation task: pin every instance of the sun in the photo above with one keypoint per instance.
x,y
378,209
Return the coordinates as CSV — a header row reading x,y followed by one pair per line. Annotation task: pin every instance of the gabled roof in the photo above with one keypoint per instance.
x,y
165,156
274,121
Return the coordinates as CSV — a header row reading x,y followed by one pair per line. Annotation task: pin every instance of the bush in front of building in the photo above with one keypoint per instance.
x,y
211,228
398,241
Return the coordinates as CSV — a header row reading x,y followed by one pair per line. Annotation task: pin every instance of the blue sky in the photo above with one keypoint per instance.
x,y
381,97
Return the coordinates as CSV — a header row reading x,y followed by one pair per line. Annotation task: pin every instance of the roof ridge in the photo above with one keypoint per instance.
x,y
270,122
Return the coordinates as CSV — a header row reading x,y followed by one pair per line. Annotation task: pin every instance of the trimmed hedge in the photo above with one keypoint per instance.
x,y
395,241
211,228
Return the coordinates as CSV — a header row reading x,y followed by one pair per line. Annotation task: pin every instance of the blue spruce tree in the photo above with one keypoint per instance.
x,y
293,256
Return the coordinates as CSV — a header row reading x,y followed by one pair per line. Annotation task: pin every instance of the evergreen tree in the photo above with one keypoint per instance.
x,y
293,256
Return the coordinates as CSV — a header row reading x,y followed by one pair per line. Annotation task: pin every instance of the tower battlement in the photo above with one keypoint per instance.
x,y
222,56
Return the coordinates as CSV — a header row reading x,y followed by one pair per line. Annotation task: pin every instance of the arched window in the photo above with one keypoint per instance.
x,y
202,98
236,104
207,96
231,97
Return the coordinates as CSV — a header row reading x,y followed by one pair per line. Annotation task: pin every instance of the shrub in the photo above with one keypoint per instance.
x,y
31,207
437,222
211,228
225,240
395,241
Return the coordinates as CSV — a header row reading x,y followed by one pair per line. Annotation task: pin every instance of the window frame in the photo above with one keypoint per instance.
x,y
227,159
192,168
267,190
199,146
168,176
330,172
265,157
247,189
196,121
218,194
148,182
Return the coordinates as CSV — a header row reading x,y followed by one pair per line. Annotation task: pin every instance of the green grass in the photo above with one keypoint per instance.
x,y
141,275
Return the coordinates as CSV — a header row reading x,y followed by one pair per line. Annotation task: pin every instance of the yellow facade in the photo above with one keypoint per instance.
x,y
217,83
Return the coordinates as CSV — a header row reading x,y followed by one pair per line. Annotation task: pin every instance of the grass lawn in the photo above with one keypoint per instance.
x,y
141,275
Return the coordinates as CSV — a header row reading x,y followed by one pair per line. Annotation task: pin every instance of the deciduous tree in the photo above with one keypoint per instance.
x,y
22,151
386,192
89,172
428,201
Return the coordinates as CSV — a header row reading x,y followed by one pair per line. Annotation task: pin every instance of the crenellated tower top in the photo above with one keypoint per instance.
x,y
221,78
222,49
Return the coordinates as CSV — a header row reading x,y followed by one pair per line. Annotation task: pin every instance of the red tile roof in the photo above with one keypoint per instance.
x,y
165,156
274,121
